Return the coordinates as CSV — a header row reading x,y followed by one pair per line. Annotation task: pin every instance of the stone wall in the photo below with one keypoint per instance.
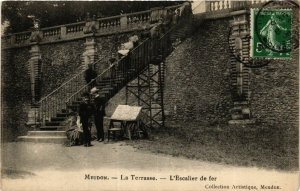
x,y
15,92
197,77
275,92
197,83
60,61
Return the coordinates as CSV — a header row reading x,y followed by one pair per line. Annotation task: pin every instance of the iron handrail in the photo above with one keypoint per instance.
x,y
118,63
61,86
108,69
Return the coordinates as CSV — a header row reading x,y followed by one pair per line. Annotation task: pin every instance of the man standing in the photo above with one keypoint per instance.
x,y
85,112
99,114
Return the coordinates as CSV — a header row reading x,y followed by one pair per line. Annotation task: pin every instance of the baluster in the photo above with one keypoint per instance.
x,y
47,109
138,19
222,4
213,6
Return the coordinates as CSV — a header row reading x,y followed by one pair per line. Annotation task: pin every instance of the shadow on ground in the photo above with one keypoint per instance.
x,y
16,174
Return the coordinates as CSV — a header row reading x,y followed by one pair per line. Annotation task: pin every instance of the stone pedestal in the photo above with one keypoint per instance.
x,y
33,116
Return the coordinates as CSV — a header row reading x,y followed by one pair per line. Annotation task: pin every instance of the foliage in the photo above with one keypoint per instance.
x,y
53,13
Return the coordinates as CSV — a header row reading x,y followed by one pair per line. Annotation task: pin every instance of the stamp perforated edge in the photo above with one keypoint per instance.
x,y
252,33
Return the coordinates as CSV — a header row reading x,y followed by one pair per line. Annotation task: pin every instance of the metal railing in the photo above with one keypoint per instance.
x,y
129,67
54,102
117,75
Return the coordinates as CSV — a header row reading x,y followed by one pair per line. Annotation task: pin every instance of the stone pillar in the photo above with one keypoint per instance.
x,y
35,67
90,29
207,6
156,14
240,75
123,22
90,54
35,72
63,32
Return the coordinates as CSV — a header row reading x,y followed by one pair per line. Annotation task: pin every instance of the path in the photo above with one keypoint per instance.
x,y
55,167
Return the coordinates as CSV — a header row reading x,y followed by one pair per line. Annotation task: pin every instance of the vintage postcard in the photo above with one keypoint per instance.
x,y
150,95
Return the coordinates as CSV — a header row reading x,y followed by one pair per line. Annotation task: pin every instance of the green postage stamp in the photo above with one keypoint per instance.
x,y
271,32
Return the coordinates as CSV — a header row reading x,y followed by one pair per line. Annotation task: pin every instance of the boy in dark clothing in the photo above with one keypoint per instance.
x,y
85,112
99,113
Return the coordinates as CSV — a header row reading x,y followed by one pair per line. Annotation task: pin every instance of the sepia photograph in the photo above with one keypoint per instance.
x,y
150,95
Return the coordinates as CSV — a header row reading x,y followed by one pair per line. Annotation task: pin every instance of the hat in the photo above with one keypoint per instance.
x,y
94,90
123,52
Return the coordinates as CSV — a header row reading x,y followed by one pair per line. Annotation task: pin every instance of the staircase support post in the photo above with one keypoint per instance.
x,y
240,81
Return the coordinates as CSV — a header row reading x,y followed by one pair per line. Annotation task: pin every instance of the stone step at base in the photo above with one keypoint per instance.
x,y
43,139
46,133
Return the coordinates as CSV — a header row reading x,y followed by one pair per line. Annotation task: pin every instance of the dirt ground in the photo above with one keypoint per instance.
x,y
44,166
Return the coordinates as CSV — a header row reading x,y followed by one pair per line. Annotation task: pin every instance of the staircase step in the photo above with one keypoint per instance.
x,y
62,114
53,123
106,88
52,127
43,139
46,133
58,119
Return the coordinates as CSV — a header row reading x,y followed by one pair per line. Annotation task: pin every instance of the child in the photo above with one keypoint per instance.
x,y
74,133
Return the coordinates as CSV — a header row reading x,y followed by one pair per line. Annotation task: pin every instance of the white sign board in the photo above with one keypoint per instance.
x,y
126,113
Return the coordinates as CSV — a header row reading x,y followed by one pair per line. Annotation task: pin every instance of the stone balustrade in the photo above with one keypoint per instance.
x,y
228,4
103,26
219,9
